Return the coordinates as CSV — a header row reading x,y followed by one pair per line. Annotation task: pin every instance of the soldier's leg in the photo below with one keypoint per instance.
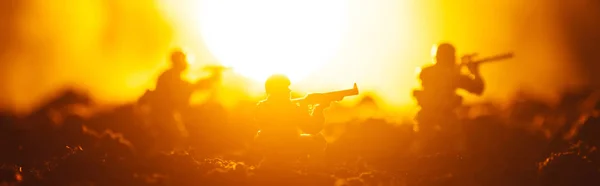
x,y
263,146
449,138
277,152
314,147
428,131
162,122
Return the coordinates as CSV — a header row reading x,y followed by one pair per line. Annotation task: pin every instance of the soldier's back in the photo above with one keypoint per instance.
x,y
171,90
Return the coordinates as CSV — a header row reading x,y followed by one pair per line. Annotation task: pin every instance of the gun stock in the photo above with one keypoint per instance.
x,y
322,98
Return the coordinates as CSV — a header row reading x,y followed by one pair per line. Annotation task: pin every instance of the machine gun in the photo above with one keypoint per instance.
x,y
468,59
325,98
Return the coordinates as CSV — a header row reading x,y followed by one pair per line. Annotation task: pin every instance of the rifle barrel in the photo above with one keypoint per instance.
x,y
348,92
495,58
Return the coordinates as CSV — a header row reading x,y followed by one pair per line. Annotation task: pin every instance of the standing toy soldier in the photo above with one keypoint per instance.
x,y
171,97
438,98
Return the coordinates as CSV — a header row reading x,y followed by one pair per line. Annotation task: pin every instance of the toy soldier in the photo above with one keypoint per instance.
x,y
287,130
438,99
171,97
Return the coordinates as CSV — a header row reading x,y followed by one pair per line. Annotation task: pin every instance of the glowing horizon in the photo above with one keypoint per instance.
x,y
260,38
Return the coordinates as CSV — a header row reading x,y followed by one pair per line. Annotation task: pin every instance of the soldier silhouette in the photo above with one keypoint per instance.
x,y
437,98
169,101
287,130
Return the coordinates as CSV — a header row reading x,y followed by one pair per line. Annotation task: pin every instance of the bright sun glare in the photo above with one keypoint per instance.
x,y
261,37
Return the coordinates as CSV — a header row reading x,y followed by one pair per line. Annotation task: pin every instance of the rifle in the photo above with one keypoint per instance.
x,y
467,59
216,75
326,97
216,68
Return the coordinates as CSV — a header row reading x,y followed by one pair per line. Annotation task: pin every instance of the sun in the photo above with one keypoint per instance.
x,y
262,37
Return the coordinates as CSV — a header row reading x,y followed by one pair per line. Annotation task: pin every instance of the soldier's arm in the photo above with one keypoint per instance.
x,y
473,84
428,76
317,114
313,122
208,82
204,84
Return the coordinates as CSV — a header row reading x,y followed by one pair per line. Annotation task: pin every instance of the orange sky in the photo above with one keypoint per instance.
x,y
117,48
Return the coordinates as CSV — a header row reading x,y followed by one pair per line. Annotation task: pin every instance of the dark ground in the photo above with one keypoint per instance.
x,y
56,146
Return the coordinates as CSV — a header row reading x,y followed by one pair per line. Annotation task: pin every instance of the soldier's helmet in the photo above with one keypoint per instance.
x,y
277,84
179,59
445,54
